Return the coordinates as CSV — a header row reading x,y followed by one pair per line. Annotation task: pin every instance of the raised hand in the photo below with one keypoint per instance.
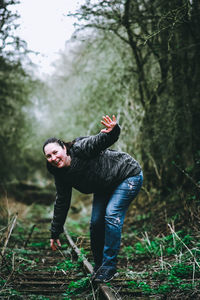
x,y
108,123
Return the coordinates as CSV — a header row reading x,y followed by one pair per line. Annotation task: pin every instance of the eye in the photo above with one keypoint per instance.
x,y
55,152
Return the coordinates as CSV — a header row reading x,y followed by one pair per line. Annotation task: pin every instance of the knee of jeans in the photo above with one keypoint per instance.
x,y
113,220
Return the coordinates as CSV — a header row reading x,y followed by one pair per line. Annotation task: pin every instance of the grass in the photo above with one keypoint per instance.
x,y
167,245
67,265
171,266
76,287
39,244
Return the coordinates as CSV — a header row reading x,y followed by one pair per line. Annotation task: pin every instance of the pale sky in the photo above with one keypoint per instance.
x,y
45,27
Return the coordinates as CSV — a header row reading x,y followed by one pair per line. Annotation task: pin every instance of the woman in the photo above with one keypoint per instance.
x,y
114,178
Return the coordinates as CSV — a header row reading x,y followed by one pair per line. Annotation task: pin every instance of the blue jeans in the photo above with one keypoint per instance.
x,y
108,213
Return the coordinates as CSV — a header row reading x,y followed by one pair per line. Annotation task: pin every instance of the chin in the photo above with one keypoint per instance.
x,y
57,166
60,166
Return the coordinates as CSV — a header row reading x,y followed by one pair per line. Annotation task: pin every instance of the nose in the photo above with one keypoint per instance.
x,y
53,157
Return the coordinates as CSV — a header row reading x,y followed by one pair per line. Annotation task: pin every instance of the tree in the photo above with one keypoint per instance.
x,y
10,44
15,89
164,41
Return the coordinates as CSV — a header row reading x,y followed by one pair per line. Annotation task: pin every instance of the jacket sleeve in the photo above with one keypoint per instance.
x,y
92,145
61,207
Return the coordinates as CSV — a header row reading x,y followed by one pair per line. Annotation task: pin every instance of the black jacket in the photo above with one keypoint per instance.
x,y
93,169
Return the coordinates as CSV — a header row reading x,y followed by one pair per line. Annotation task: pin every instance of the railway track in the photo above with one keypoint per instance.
x,y
31,270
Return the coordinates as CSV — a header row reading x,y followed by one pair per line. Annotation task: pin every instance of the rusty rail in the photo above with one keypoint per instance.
x,y
107,291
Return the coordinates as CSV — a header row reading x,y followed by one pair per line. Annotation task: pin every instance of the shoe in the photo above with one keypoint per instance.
x,y
105,274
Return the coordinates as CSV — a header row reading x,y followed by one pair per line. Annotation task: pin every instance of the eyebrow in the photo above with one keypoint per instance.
x,y
54,150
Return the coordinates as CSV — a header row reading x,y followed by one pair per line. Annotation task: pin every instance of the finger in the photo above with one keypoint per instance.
x,y
58,242
108,118
105,124
114,118
52,244
105,120
53,247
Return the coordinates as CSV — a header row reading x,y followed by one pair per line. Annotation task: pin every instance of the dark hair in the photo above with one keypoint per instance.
x,y
59,142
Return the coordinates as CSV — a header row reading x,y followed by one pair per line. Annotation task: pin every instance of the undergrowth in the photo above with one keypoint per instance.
x,y
163,266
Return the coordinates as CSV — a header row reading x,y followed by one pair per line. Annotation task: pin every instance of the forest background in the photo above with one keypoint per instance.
x,y
139,60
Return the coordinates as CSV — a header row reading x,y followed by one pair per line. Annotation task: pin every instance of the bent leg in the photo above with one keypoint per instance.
x,y
114,217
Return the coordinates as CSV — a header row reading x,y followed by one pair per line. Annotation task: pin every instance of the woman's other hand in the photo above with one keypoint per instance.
x,y
108,123
55,244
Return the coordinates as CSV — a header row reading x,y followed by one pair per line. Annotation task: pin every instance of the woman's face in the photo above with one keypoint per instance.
x,y
56,155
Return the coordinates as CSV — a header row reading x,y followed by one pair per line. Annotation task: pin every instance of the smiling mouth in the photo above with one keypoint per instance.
x,y
56,163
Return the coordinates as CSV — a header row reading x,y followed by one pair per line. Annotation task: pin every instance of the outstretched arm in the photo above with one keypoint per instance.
x,y
92,145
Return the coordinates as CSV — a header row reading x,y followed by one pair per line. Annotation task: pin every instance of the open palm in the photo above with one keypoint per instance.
x,y
108,123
